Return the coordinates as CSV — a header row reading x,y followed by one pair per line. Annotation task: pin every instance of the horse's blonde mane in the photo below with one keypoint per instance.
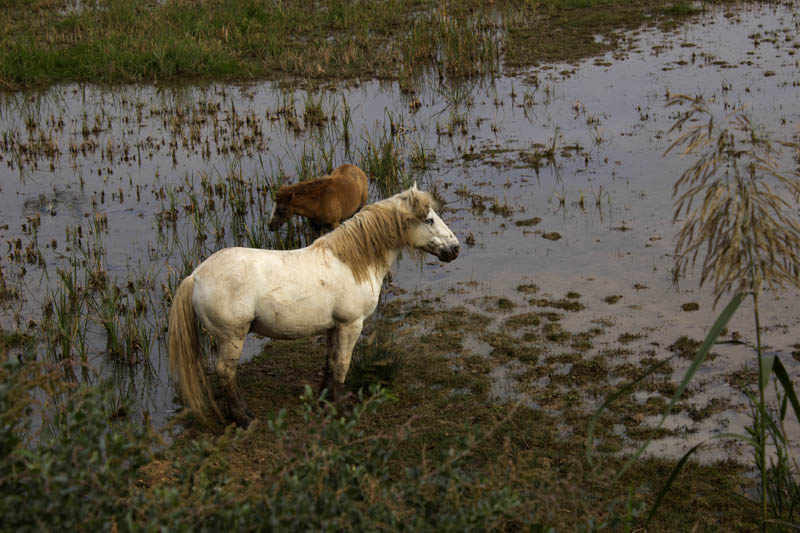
x,y
364,241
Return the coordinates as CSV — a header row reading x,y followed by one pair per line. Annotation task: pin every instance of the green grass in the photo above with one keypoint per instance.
x,y
44,42
121,40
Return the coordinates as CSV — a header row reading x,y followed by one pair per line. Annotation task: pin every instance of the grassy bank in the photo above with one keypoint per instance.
x,y
51,41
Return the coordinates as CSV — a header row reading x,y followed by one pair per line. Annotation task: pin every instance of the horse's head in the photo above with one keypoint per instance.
x,y
430,234
281,209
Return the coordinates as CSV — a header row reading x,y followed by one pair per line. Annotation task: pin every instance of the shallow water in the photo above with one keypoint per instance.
x,y
73,150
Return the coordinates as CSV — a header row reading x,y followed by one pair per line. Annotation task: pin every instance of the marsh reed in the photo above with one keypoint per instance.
x,y
739,208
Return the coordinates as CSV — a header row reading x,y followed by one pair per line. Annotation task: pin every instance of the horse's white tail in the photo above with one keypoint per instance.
x,y
185,361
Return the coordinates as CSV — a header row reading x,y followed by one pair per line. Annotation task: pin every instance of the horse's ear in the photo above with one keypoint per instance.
x,y
416,201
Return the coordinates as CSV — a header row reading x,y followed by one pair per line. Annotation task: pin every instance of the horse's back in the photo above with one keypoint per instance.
x,y
352,185
237,272
327,200
280,294
223,287
357,175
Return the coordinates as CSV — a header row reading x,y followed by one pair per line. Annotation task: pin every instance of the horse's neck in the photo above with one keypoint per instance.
x,y
306,203
391,259
379,271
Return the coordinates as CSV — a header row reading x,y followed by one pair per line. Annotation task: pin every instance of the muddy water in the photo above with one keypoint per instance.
x,y
72,151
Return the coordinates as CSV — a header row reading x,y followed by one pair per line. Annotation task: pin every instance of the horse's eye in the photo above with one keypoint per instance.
x,y
429,221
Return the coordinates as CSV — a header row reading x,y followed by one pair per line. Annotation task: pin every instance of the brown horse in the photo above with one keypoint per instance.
x,y
325,201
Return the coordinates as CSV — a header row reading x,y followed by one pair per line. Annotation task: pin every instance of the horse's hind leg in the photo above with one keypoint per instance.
x,y
227,362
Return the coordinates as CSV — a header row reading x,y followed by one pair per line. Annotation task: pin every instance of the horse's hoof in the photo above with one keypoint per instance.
x,y
338,392
335,391
242,417
244,421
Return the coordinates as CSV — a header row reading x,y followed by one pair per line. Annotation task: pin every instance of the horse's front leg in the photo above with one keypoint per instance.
x,y
227,362
341,341
330,361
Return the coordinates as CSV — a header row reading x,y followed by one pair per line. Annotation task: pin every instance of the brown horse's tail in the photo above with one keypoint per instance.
x,y
185,360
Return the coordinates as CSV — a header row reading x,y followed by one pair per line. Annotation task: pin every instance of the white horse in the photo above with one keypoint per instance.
x,y
329,287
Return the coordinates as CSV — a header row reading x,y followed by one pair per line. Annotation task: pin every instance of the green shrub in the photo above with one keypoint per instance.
x,y
332,477
79,475
82,473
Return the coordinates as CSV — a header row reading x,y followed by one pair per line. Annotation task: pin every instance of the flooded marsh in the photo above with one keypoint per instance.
x,y
554,179
134,185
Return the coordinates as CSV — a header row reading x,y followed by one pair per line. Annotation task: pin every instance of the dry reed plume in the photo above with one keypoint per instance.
x,y
748,230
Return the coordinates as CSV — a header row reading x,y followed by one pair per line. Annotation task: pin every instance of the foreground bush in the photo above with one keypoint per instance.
x,y
83,467
333,477
81,473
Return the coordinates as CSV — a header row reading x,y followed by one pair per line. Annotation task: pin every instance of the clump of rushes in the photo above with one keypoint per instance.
x,y
377,360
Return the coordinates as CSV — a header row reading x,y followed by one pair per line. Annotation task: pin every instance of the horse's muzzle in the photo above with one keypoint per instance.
x,y
449,253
